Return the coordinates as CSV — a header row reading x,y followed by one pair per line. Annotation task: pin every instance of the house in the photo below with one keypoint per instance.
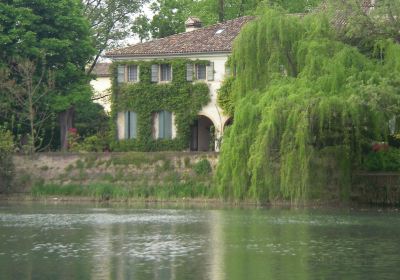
x,y
102,84
206,50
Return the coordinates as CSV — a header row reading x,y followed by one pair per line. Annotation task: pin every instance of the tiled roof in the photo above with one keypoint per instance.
x,y
215,38
102,69
341,17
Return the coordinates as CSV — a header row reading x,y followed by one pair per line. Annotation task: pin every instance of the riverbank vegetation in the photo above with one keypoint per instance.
x,y
7,168
307,106
166,191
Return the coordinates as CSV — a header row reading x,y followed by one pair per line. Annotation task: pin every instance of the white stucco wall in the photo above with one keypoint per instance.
x,y
211,110
102,87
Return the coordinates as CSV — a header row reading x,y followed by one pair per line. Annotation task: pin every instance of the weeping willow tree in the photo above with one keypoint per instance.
x,y
306,107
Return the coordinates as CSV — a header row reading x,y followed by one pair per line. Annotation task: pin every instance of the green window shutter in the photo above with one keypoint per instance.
x,y
161,131
167,125
154,73
189,72
132,125
210,72
126,125
121,74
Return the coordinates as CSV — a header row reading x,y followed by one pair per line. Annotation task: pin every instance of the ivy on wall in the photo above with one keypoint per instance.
x,y
179,96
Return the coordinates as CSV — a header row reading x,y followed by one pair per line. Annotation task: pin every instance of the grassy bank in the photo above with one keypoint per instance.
x,y
118,176
116,192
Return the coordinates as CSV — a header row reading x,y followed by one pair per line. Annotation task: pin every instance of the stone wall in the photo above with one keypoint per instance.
x,y
133,168
381,188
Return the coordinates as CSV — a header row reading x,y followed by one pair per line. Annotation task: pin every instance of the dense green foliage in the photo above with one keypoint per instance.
x,y
224,98
6,161
383,160
91,119
304,102
55,37
357,26
203,167
56,30
185,99
169,16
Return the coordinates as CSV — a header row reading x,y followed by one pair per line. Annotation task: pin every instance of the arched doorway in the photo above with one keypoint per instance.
x,y
202,135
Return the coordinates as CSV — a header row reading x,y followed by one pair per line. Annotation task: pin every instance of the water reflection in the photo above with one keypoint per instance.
x,y
81,242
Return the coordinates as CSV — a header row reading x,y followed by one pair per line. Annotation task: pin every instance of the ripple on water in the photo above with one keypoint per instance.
x,y
50,221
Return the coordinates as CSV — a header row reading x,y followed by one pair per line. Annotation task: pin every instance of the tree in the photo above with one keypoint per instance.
x,y
58,31
17,39
110,21
169,16
306,108
298,6
361,24
28,97
141,27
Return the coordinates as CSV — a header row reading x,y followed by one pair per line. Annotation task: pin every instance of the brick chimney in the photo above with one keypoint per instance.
x,y
193,23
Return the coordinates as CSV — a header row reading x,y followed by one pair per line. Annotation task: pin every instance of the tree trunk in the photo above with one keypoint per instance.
x,y
66,121
220,10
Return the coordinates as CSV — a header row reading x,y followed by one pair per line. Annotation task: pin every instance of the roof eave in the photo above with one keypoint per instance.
x,y
166,54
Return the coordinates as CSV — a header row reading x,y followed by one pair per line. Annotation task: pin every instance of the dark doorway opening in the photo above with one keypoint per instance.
x,y
202,135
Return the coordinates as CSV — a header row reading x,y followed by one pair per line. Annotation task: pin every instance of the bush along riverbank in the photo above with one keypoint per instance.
x,y
6,162
117,176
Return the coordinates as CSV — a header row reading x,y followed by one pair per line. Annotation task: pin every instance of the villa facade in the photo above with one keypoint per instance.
x,y
206,49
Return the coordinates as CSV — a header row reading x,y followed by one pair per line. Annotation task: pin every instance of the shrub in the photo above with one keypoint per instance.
x,y
94,143
383,160
203,167
6,161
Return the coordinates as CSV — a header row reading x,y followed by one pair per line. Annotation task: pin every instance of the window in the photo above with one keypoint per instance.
x,y
132,73
161,73
201,71
128,73
165,72
130,125
164,125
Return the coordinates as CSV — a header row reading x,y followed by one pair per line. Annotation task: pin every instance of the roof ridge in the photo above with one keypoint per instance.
x,y
159,45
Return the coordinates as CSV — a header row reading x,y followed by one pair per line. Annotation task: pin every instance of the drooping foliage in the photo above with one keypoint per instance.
x,y
306,106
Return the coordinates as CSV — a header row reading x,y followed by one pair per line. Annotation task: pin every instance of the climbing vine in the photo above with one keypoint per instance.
x,y
185,99
306,107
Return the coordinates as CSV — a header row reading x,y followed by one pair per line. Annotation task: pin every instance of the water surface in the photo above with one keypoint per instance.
x,y
64,241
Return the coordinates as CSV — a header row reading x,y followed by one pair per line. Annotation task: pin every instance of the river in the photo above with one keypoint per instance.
x,y
92,241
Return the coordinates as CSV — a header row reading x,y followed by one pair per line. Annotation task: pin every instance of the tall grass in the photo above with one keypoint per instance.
x,y
110,191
